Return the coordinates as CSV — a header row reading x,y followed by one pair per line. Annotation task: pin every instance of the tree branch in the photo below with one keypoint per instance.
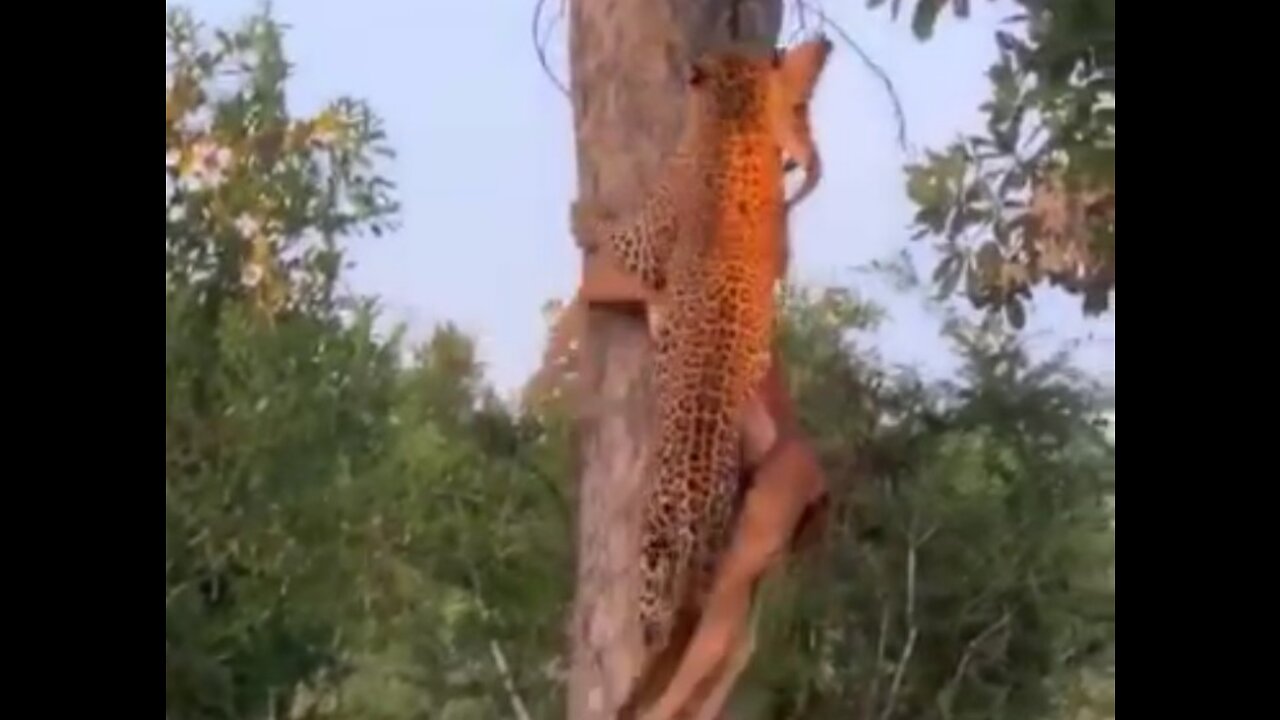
x,y
540,41
948,691
873,694
499,659
900,671
913,632
517,704
898,113
973,644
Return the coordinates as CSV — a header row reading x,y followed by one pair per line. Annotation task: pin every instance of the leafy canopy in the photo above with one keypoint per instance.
x,y
1031,201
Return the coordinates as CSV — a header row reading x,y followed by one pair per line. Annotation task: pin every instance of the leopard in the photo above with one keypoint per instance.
x,y
709,241
783,511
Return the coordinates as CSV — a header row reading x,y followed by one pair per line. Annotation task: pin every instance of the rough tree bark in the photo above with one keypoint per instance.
x,y
627,60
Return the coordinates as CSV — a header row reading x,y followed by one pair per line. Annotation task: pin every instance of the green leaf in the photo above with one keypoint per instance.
x,y
1015,313
1012,45
973,282
958,222
988,261
926,17
933,217
947,275
955,163
922,185
1096,300
1016,178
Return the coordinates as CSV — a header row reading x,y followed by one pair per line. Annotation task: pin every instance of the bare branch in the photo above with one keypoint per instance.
x,y
973,645
517,704
499,659
873,694
802,15
913,632
540,40
899,115
947,694
802,20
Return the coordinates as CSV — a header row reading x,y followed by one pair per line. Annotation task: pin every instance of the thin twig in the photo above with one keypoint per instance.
x,y
947,695
973,644
898,674
871,65
517,705
802,24
873,695
499,659
540,44
913,632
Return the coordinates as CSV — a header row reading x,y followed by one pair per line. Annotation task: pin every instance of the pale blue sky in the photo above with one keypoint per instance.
x,y
485,162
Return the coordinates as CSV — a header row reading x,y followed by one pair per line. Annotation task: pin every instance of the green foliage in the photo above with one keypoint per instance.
x,y
969,567
926,13
253,197
1032,200
344,532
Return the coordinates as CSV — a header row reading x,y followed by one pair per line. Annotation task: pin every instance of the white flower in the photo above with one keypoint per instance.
x,y
324,137
198,122
207,168
327,129
248,226
251,275
172,157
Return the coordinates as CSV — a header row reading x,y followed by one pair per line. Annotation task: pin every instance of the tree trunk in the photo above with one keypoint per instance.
x,y
627,61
